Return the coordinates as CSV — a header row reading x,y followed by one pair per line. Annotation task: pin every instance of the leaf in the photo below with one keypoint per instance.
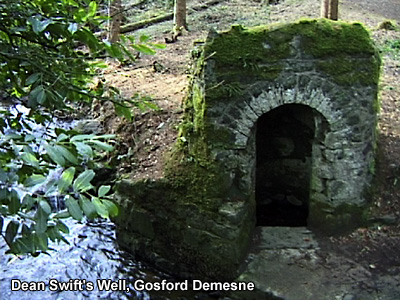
x,y
104,136
66,179
3,175
158,46
11,231
74,208
151,105
82,182
103,146
24,244
40,240
62,215
4,193
35,179
54,234
123,111
103,190
144,49
128,53
92,9
84,149
37,95
67,154
51,188
111,208
144,38
32,78
100,208
82,137
55,155
88,207
41,220
39,26
14,205
28,202
62,227
30,159
87,37
41,97
115,51
45,206
62,137
29,137
26,230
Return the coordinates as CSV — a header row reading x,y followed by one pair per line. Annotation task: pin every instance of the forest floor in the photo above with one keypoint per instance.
x,y
164,77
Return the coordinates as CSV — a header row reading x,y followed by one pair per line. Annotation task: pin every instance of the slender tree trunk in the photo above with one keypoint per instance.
x,y
334,9
330,9
116,19
179,17
324,8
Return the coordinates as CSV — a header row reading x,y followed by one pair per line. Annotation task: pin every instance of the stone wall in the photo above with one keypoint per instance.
x,y
201,216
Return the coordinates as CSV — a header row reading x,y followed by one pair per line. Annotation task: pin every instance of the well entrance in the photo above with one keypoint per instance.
x,y
284,142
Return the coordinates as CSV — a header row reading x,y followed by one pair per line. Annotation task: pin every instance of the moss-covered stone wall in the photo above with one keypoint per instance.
x,y
200,217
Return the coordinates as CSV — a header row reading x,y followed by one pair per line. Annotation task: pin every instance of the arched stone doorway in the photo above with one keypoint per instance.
x,y
285,138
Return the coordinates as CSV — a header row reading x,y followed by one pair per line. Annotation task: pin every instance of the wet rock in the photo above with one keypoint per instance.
x,y
89,127
349,297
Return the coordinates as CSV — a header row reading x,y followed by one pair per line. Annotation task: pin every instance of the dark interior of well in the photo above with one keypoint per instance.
x,y
284,139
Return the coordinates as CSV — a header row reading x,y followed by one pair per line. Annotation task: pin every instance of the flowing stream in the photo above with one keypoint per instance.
x,y
92,254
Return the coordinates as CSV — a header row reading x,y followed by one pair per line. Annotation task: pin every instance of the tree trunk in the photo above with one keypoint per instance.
x,y
179,17
330,9
116,20
334,10
324,8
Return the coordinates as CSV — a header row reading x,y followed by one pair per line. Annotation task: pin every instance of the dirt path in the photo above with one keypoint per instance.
x,y
388,9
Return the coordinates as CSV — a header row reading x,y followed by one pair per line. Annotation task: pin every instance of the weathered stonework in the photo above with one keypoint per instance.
x,y
201,216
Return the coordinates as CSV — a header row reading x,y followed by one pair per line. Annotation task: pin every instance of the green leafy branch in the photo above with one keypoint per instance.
x,y
49,56
29,179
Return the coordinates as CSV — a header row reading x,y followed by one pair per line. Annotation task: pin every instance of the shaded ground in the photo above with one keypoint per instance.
x,y
163,76
292,263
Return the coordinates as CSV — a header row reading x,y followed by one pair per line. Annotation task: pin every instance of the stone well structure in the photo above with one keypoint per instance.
x,y
278,130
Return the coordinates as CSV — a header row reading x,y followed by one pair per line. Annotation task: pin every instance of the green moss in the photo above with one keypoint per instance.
x,y
244,48
346,51
325,38
196,176
243,54
259,53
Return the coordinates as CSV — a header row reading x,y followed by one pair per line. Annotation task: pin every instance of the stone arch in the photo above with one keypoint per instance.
x,y
248,112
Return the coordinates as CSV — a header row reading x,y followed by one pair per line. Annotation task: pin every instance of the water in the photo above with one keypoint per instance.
x,y
92,254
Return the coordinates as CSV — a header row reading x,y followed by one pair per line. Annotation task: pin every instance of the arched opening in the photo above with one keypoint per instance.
x,y
284,143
